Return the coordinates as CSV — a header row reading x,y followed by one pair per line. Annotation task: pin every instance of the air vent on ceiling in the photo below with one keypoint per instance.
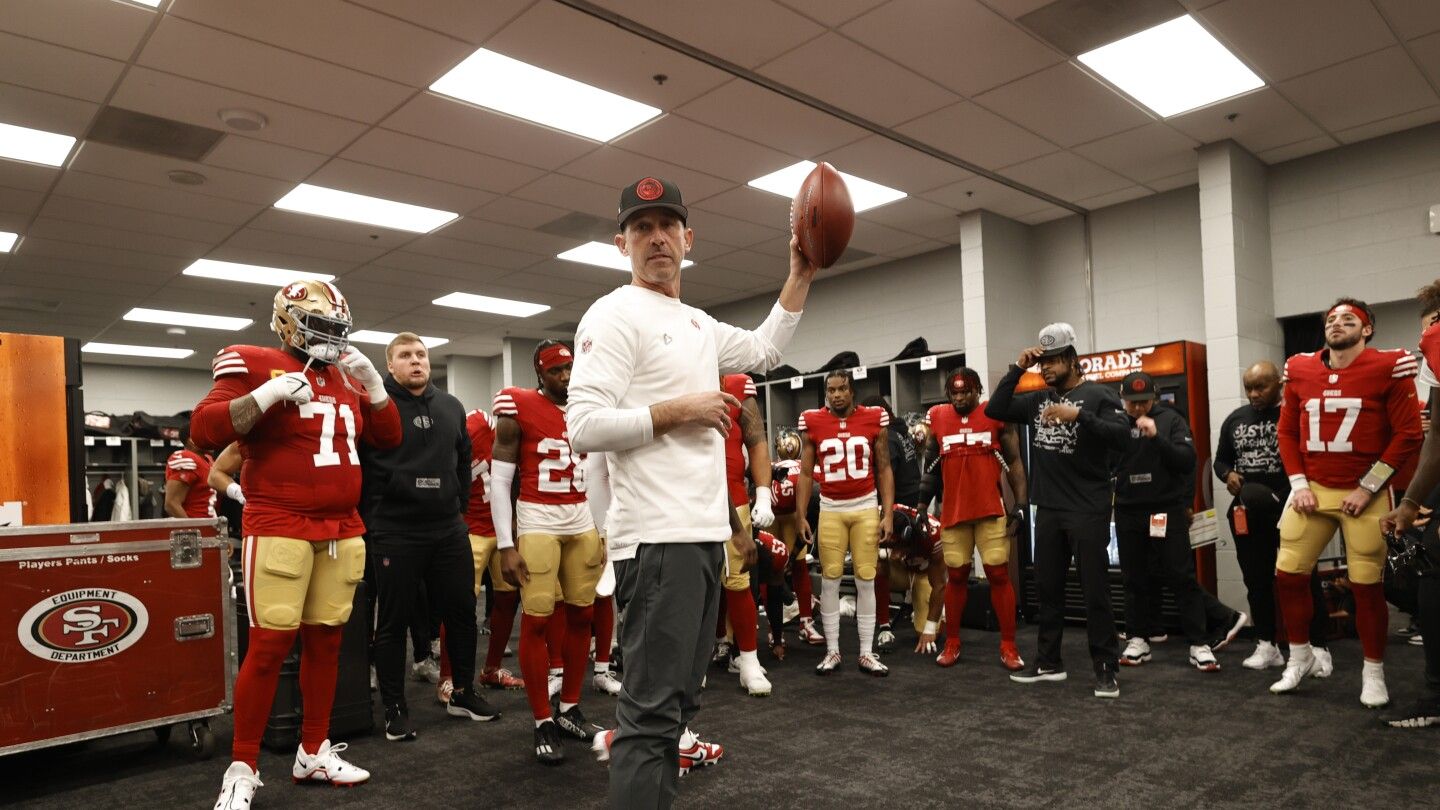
x,y
20,304
567,327
148,133
585,227
1080,26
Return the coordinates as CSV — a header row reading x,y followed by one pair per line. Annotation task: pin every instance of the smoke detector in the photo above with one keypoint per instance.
x,y
185,177
243,119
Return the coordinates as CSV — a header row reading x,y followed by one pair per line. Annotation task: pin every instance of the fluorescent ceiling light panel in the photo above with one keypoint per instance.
x,y
250,273
864,194
384,338
7,241
489,79
1173,68
34,145
187,319
136,351
150,3
495,306
604,254
333,203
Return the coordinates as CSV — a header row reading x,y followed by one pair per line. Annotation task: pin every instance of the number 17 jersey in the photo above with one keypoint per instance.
x,y
843,447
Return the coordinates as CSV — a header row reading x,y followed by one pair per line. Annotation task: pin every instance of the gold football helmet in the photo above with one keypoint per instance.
x,y
312,316
787,443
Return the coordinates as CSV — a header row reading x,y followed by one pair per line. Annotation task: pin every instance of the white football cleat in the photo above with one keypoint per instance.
x,y
238,788
809,633
752,676
695,753
327,766
789,612
600,745
1324,664
1266,655
605,681
1372,685
1301,663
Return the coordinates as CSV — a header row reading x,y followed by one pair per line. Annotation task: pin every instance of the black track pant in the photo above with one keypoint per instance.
x,y
1147,563
442,562
1084,537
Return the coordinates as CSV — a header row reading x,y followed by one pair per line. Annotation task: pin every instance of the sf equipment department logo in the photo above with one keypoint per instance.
x,y
86,624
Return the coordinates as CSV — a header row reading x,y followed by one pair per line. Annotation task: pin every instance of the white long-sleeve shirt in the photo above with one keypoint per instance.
x,y
634,348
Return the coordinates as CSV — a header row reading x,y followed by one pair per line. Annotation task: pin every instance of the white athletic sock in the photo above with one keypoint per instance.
x,y
557,671
565,707
748,658
830,613
602,667
538,722
865,613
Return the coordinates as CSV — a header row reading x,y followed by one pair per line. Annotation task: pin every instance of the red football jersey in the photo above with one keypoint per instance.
x,y
550,472
482,442
1430,348
193,470
843,448
302,470
779,554
968,463
1335,423
925,547
783,487
741,387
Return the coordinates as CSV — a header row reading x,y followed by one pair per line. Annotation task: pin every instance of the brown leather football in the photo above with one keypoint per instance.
x,y
822,216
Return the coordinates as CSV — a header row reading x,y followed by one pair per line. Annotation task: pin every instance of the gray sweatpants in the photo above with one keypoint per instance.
x,y
669,594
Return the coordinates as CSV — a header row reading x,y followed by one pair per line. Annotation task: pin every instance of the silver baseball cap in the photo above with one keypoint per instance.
x,y
1056,338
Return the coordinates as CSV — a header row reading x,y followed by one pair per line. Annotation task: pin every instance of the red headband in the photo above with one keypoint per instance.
x,y
554,356
1353,310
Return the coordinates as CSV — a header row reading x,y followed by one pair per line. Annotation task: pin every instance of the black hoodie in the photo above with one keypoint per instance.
x,y
424,484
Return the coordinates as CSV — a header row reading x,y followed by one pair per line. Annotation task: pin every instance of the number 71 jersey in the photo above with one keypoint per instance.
x,y
1335,423
549,471
843,449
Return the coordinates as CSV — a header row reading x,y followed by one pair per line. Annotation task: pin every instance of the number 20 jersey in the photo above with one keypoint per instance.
x,y
843,448
302,469
1335,423
548,469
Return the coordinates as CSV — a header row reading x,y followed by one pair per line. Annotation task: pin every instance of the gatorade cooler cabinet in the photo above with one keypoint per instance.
x,y
107,628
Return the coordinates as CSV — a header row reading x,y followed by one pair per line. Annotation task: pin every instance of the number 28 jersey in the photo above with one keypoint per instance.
x,y
549,471
302,469
1335,423
843,454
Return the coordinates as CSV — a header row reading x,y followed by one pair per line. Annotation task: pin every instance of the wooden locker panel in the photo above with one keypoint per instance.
x,y
34,467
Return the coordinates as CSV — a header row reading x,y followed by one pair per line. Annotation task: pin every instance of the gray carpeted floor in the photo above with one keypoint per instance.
x,y
924,737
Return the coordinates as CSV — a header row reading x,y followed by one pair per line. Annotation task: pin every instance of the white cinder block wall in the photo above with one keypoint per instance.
x,y
156,391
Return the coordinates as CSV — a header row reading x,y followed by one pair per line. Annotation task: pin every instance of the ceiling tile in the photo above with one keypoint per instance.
x,y
466,19
572,194
1065,105
858,81
1066,176
406,153
712,227
337,32
171,200
193,102
125,164
344,254
1310,146
975,134
1146,153
1019,8
441,119
24,107
1380,85
1287,38
1181,180
305,225
1115,197
751,205
746,32
961,45
681,141
18,205
873,237
54,69
265,159
107,29
520,213
1411,18
750,111
918,216
362,178
265,256
982,193
831,13
749,262
88,234
1049,213
884,161
147,265
440,272
483,232
139,220
617,168
1263,120
487,255
1385,127
26,176
226,60
1426,52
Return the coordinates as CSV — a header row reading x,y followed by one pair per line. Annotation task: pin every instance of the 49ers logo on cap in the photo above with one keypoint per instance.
x,y
1138,385
296,291
86,624
1047,340
649,189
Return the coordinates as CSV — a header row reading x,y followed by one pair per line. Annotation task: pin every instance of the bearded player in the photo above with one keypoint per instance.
x,y
967,455
1349,419
557,547
739,601
784,482
848,445
297,418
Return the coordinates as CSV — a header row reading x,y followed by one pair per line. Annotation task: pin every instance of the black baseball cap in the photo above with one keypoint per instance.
x,y
1137,387
651,192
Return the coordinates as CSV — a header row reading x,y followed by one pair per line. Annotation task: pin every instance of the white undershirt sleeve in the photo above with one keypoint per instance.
x,y
597,488
502,512
604,366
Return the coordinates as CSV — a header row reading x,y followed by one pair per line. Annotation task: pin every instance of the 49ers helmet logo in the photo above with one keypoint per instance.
x,y
82,625
296,291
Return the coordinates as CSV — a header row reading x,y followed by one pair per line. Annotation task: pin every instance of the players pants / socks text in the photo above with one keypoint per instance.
x,y
1256,551
669,595
1085,537
1147,563
443,563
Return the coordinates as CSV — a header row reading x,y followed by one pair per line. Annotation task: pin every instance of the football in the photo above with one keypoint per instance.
x,y
822,216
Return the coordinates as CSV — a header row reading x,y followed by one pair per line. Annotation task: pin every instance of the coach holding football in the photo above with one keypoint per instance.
x,y
643,390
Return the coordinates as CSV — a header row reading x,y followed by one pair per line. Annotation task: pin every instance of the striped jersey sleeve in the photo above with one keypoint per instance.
x,y
1406,365
505,404
227,362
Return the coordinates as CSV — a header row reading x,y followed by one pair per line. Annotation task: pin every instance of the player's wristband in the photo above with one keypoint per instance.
x,y
931,627
234,493
1299,482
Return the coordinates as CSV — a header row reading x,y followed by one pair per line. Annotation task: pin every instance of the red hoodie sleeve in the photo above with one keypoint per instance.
x,y
382,428
1288,430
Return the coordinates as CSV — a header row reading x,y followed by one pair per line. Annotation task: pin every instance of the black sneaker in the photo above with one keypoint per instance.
x,y
1105,684
1408,630
397,723
467,703
548,748
573,722
1036,673
1424,713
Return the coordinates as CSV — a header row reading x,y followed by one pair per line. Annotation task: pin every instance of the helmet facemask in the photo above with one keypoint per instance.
x,y
313,318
